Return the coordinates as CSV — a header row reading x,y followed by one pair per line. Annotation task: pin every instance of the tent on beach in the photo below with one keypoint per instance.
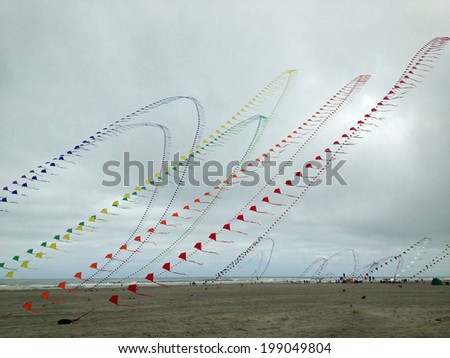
x,y
436,282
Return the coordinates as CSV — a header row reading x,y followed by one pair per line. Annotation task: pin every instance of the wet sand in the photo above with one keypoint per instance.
x,y
251,310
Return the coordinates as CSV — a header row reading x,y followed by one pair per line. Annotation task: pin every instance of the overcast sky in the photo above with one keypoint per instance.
x,y
69,69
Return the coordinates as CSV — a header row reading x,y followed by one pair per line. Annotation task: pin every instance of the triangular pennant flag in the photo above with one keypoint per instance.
x,y
133,288
266,200
278,191
181,217
115,299
187,207
164,222
167,267
228,227
241,218
253,208
45,296
25,265
28,306
183,256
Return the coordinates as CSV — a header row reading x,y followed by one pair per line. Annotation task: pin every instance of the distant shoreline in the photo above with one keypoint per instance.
x,y
52,284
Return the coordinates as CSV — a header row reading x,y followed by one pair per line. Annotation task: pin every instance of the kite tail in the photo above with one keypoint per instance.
x,y
8,268
143,294
252,222
54,300
202,202
84,314
276,204
291,196
239,232
185,217
195,262
264,212
210,252
178,273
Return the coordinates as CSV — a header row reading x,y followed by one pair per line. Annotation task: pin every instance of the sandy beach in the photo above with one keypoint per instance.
x,y
250,310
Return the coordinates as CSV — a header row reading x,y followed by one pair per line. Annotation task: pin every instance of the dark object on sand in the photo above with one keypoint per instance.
x,y
436,282
363,297
70,321
65,321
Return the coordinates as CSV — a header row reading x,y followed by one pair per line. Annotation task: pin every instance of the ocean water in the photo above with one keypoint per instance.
x,y
35,284
31,284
